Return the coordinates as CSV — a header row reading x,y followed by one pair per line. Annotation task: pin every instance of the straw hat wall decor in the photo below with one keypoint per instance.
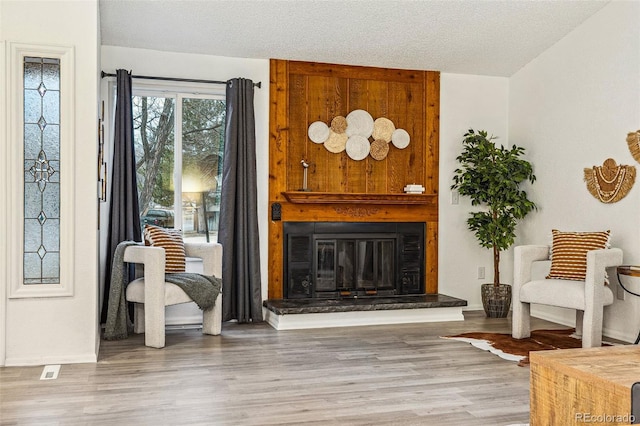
x,y
633,141
610,182
378,135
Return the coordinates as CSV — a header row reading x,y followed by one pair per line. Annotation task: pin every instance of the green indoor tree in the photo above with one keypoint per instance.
x,y
491,176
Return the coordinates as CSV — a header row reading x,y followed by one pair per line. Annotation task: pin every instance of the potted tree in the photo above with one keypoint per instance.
x,y
491,176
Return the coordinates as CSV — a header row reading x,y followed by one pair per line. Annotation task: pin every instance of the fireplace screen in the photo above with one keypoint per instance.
x,y
349,264
330,260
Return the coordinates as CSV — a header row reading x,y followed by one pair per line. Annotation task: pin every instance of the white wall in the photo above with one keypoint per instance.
x,y
59,329
4,194
572,108
466,102
207,67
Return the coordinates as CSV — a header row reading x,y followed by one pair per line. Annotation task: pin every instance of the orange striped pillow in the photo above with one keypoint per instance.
x,y
171,241
569,253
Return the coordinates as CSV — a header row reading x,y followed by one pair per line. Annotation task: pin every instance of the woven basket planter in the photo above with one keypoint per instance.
x,y
496,300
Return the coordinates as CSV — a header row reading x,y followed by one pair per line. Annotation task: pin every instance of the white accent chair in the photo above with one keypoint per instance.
x,y
587,297
151,293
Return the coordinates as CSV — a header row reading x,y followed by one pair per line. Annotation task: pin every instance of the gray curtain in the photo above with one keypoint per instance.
x,y
124,214
238,231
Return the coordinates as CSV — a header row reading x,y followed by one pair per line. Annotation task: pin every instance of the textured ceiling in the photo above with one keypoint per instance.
x,y
458,36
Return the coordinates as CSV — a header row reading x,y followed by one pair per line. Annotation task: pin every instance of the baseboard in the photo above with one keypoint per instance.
x,y
184,320
476,307
615,334
362,318
49,360
558,319
606,331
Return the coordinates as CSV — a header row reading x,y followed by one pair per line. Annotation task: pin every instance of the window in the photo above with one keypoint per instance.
x,y
42,169
41,172
179,144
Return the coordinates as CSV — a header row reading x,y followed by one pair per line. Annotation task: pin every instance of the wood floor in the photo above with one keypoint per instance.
x,y
255,375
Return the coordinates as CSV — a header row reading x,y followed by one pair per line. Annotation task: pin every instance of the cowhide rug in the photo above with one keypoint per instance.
x,y
506,347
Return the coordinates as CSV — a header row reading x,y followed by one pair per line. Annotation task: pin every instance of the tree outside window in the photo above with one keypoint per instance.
x,y
199,141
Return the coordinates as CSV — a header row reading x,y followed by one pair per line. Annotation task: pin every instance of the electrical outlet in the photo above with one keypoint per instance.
x,y
455,197
481,272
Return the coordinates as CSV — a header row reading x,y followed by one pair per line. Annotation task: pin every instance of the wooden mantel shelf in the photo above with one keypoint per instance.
x,y
302,197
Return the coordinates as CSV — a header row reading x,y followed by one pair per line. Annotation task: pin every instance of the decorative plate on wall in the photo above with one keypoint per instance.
x,y
359,135
358,147
400,138
379,149
359,122
336,143
383,129
339,124
318,132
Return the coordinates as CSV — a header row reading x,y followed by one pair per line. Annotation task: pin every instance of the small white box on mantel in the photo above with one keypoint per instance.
x,y
413,189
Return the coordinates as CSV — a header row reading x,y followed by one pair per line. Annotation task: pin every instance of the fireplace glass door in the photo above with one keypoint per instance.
x,y
341,259
346,265
326,269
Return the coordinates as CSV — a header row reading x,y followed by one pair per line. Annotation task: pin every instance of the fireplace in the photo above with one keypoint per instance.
x,y
331,260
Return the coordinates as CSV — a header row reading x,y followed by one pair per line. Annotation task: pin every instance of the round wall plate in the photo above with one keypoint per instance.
x,y
336,143
400,138
379,149
359,122
318,132
358,147
383,129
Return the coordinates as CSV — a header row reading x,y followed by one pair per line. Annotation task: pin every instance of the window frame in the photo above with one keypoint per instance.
x,y
15,237
178,92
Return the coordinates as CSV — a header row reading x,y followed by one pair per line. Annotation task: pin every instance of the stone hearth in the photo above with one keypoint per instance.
x,y
289,314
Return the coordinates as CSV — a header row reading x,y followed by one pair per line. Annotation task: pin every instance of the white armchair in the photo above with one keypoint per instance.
x,y
587,297
151,293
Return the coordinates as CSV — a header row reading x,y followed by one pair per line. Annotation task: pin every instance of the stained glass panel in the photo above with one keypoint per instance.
x,y
32,106
32,74
51,141
42,171
51,107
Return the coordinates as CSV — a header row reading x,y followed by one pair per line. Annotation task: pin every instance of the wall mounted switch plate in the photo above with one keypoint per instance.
x,y
481,272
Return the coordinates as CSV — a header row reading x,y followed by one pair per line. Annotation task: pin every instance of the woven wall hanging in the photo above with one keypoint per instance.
x,y
359,135
610,182
379,149
633,140
339,124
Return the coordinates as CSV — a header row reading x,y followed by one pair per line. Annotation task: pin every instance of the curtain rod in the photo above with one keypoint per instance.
x,y
187,80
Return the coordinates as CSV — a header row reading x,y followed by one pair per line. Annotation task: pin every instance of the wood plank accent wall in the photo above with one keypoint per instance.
x,y
304,92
